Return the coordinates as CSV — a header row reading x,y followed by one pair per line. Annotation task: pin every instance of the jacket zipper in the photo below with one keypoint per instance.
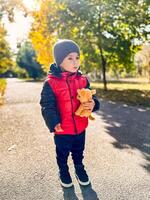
x,y
71,106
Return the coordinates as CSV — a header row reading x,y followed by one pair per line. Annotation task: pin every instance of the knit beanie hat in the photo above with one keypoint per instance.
x,y
62,48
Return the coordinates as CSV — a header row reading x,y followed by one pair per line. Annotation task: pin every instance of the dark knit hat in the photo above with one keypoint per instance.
x,y
62,48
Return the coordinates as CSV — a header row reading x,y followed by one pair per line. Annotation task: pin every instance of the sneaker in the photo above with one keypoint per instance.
x,y
81,175
65,179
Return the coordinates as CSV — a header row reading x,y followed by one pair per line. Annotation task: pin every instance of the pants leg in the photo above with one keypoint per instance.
x,y
63,147
77,150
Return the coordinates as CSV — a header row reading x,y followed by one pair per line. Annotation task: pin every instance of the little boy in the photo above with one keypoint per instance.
x,y
58,105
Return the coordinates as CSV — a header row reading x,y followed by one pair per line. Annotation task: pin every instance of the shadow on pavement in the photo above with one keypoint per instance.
x,y
69,194
130,126
88,193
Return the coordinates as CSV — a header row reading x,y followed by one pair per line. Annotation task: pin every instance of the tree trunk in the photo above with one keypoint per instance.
x,y
99,37
104,73
103,68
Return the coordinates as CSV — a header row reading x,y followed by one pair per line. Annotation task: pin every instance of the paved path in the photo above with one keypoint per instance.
x,y
117,151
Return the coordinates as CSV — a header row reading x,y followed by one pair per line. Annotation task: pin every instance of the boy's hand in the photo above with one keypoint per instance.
x,y
89,105
58,128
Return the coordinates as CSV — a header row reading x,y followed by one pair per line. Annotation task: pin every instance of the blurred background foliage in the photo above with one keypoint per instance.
x,y
113,37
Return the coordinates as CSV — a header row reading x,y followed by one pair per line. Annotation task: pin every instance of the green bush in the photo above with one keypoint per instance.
x,y
20,73
3,84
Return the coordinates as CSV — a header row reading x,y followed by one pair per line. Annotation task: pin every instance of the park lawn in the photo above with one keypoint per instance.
x,y
136,94
3,84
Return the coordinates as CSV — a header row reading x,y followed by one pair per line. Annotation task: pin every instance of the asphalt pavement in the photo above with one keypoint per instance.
x,y
117,153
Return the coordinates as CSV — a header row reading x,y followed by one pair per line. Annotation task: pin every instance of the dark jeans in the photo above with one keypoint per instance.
x,y
66,144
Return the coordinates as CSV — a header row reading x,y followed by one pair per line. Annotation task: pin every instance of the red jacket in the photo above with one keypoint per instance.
x,y
65,90
59,103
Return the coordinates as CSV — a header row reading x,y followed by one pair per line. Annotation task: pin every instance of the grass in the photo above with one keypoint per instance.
x,y
3,84
130,93
136,94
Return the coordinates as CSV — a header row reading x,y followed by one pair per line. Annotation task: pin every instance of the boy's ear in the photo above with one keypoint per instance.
x,y
93,92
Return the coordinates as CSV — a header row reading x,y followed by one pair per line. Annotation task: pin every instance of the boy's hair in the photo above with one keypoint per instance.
x,y
62,48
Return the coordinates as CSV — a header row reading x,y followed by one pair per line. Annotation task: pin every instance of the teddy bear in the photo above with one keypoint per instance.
x,y
84,95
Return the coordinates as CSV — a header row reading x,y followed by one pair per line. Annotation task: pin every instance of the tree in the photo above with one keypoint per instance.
x,y
43,35
108,27
26,58
105,30
142,60
5,54
9,7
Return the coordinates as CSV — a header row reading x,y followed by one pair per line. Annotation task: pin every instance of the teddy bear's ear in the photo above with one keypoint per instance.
x,y
78,91
93,92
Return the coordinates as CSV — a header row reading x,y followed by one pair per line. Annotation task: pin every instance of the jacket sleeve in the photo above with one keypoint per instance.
x,y
97,102
49,107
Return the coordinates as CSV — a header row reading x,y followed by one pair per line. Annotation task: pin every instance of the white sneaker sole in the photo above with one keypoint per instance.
x,y
66,185
82,183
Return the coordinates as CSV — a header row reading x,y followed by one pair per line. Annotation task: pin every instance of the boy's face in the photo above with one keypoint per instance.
x,y
71,62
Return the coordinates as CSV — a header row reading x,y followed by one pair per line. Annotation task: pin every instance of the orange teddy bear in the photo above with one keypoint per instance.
x,y
84,95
